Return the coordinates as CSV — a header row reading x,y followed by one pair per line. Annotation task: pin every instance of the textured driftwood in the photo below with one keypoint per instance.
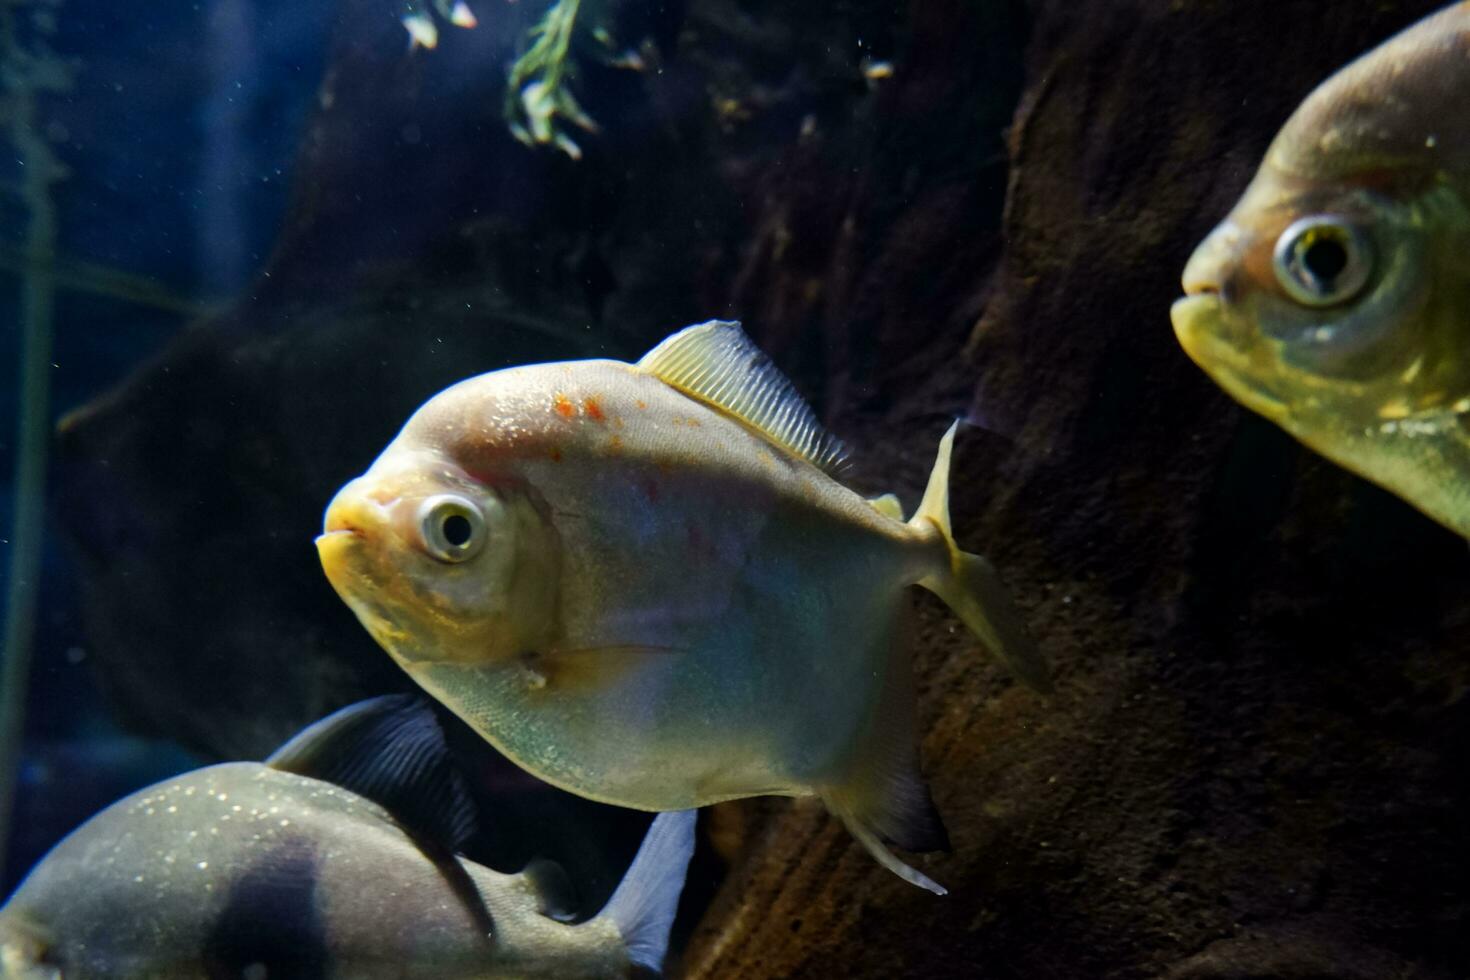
x,y
1254,765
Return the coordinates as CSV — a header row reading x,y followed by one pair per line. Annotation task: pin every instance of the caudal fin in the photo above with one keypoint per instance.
x,y
644,904
971,587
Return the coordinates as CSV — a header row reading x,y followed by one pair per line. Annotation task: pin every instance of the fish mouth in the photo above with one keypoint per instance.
x,y
1199,320
338,550
345,525
1195,318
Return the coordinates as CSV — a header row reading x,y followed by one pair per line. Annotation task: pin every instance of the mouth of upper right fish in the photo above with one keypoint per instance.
x,y
1199,317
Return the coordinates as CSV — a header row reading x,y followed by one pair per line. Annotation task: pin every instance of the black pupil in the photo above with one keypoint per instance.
x,y
457,530
1325,259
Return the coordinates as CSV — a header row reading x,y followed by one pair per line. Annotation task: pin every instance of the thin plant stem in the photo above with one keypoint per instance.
x,y
37,291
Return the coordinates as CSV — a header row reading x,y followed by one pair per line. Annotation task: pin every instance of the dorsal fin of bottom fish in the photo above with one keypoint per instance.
x,y
391,750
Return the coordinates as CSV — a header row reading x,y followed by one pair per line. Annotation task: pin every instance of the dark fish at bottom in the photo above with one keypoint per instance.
x,y
254,870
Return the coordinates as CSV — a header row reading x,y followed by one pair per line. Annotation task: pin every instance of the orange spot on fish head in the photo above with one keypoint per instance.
x,y
593,409
563,406
641,403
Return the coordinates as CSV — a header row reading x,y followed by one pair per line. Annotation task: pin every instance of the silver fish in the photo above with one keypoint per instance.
x,y
643,584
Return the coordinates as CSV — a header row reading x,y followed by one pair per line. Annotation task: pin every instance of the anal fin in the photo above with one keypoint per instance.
x,y
880,794
894,807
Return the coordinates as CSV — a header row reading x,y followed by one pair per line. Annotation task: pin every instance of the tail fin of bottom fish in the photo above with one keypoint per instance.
x,y
970,586
644,904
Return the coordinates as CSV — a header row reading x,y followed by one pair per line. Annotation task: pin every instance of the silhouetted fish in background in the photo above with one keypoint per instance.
x,y
643,583
332,859
1335,298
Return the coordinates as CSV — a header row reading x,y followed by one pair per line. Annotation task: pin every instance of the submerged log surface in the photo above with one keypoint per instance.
x,y
1255,761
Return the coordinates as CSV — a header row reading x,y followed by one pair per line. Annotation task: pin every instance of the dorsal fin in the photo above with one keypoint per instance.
x,y
391,750
716,363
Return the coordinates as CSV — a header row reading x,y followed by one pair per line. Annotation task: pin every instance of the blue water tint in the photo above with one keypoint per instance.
x,y
178,135
181,130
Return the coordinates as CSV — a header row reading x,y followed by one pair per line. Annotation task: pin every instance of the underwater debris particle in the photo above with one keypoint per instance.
x,y
462,16
875,71
422,31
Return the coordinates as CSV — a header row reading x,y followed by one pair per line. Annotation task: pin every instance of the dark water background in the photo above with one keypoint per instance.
x,y
180,131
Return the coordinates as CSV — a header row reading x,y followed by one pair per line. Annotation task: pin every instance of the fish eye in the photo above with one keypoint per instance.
x,y
453,529
1322,260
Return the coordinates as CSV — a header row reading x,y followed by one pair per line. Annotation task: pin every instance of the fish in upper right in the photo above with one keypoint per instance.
x,y
335,858
1335,297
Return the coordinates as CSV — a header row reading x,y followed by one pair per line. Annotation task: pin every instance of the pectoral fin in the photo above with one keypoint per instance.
x,y
581,668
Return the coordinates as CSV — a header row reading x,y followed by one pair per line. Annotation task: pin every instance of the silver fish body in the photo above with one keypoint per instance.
x,y
662,598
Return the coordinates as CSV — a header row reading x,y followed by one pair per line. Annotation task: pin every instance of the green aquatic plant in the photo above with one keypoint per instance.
x,y
538,93
29,70
79,276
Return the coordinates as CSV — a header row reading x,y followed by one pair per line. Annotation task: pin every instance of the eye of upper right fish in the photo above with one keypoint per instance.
x,y
452,528
1323,260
